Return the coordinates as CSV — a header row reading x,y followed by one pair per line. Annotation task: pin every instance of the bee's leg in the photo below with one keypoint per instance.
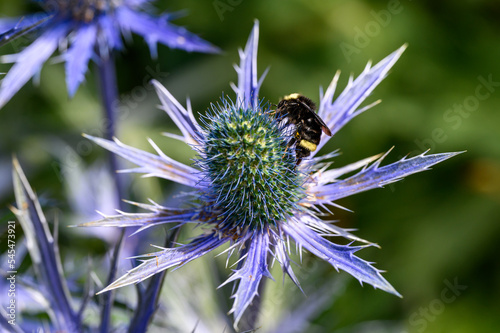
x,y
300,153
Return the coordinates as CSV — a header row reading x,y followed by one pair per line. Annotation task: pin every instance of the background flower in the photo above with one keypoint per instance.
x,y
87,29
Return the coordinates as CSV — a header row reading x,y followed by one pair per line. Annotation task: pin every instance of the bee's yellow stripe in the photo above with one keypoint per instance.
x,y
307,145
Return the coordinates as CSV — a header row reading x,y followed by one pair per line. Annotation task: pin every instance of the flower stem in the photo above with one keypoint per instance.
x,y
109,91
147,303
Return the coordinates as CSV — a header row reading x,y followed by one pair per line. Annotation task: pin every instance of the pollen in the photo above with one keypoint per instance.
x,y
291,96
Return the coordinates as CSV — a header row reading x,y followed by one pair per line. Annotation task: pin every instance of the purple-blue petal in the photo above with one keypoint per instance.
x,y
111,31
281,255
44,252
168,258
22,22
21,28
145,220
250,274
247,91
152,165
30,61
339,256
8,23
345,107
184,119
375,176
329,229
158,30
78,56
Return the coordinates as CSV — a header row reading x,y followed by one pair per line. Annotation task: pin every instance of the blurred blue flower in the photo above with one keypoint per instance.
x,y
248,191
82,29
50,289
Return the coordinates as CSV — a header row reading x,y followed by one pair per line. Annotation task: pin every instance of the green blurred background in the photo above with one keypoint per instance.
x,y
435,229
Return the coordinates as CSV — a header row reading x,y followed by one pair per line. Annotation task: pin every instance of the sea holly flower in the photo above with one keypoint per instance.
x,y
248,191
82,29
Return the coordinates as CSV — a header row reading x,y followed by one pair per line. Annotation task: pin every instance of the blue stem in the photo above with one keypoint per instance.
x,y
147,303
109,91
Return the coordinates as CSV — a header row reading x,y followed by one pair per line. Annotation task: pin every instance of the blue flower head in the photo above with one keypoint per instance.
x,y
82,29
247,189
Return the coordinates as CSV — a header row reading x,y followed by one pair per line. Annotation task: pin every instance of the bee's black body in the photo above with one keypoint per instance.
x,y
300,111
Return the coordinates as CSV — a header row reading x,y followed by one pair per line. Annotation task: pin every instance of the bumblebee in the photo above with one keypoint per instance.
x,y
299,110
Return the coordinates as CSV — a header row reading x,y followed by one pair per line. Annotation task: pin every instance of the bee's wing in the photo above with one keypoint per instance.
x,y
324,127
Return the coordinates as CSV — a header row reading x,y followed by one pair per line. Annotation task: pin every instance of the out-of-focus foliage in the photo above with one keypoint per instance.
x,y
436,229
